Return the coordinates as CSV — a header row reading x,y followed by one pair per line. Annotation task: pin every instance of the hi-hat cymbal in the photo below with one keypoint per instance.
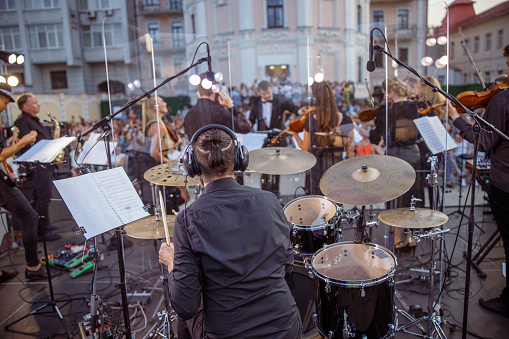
x,y
420,218
149,227
164,175
367,180
280,160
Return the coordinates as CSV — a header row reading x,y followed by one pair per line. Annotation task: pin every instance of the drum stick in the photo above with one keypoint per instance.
x,y
165,223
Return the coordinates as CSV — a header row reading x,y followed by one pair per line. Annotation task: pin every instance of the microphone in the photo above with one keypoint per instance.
x,y
371,65
210,74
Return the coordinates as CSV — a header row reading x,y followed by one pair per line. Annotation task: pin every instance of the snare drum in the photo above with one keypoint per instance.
x,y
316,222
354,290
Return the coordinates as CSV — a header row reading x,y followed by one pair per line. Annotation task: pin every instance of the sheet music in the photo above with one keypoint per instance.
x,y
252,141
101,201
45,151
434,134
96,155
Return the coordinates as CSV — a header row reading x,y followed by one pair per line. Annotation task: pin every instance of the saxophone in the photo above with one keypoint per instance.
x,y
56,135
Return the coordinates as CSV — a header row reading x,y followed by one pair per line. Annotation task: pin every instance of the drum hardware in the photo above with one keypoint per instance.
x,y
420,218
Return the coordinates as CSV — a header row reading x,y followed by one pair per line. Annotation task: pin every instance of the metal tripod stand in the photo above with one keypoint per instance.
x,y
434,320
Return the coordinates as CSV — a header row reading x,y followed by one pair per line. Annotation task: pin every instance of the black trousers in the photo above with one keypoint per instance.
x,y
500,207
15,202
40,196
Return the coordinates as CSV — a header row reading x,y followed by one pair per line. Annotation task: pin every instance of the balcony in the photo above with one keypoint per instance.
x,y
159,8
402,33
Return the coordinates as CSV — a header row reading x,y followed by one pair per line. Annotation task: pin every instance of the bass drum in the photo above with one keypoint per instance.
x,y
354,290
316,222
301,286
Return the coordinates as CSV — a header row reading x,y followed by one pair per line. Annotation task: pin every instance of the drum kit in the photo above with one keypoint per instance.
x,y
353,281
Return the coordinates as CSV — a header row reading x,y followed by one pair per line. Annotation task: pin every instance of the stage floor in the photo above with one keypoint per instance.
x,y
19,297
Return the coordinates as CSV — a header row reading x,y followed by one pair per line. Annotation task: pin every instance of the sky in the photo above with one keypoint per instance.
x,y
437,9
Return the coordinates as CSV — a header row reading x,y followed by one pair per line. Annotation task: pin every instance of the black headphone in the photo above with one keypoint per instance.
x,y
189,159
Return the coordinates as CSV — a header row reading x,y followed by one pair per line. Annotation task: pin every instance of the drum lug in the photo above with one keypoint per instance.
x,y
363,293
327,286
325,231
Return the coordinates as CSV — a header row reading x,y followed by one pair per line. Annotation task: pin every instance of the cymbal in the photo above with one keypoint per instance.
x,y
164,175
280,160
420,218
149,228
384,178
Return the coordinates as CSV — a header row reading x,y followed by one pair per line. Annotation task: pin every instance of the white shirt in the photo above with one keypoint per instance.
x,y
266,112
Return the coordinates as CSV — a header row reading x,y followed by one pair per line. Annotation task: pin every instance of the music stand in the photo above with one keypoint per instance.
x,y
41,154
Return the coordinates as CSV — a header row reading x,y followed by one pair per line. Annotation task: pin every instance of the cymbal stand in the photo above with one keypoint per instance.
x,y
432,317
163,326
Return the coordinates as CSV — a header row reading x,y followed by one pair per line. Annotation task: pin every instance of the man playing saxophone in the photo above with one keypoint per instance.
x,y
39,196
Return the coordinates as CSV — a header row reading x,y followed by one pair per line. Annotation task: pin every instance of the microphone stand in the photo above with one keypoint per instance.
x,y
479,123
104,125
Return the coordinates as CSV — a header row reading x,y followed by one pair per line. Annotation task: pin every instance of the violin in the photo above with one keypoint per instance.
x,y
474,99
424,111
296,124
173,136
369,113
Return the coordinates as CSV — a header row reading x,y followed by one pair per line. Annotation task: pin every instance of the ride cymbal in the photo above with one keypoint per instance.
x,y
367,180
165,175
420,218
280,160
149,227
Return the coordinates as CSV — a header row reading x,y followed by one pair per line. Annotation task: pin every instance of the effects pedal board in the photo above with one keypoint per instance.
x,y
74,258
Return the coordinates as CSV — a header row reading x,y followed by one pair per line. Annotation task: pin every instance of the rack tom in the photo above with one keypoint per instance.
x,y
316,222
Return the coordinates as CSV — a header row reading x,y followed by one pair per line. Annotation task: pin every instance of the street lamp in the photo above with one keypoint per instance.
x,y
12,58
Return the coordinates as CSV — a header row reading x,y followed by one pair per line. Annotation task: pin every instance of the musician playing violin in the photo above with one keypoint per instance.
x,y
497,114
327,134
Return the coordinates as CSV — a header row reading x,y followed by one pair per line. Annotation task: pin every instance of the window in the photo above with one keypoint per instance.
x,y
42,4
476,44
403,55
487,42
86,5
46,36
7,5
359,18
158,68
359,69
402,18
378,16
178,37
58,79
92,35
441,79
487,76
151,2
153,31
500,38
465,78
176,5
193,24
451,49
10,38
274,13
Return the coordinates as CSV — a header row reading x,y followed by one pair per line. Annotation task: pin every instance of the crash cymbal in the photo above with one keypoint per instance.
x,y
280,160
149,228
164,175
367,180
420,218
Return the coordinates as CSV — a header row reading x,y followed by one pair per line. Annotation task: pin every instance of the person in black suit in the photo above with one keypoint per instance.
x,y
269,109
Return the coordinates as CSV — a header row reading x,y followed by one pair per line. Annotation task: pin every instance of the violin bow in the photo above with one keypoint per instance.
x,y
372,102
476,70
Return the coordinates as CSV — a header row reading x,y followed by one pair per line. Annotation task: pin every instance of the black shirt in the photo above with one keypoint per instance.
x,y
207,112
233,246
497,114
26,123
